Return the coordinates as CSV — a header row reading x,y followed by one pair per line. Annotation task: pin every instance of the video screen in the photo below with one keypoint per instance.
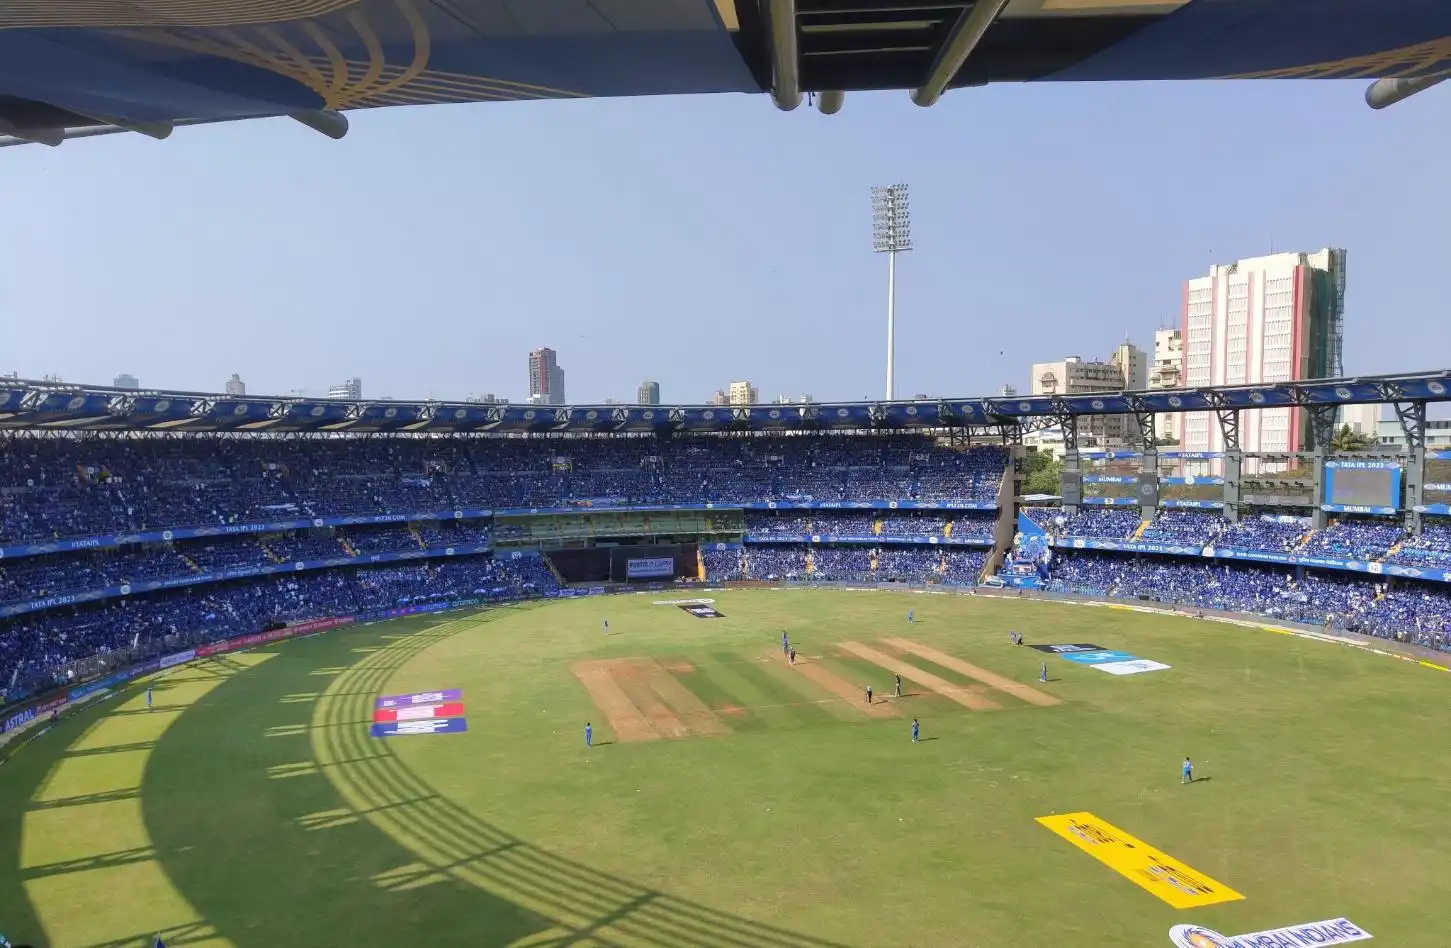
x,y
1362,486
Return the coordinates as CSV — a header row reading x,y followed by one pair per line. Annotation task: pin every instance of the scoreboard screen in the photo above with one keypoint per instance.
x,y
1362,484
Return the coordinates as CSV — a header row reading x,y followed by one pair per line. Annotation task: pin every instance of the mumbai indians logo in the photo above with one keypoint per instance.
x,y
529,415
775,413
317,411
1436,388
461,413
390,413
1343,392
591,415
842,413
708,415
161,406
648,415
1175,401
1192,936
1257,397
1025,406
911,409
240,410
77,403
1097,404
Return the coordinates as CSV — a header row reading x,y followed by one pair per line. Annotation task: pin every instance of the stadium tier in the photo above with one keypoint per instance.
x,y
116,547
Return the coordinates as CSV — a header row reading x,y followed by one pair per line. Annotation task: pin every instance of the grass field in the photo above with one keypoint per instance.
x,y
736,800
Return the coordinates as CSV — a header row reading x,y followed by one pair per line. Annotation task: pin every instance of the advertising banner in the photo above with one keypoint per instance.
x,y
653,567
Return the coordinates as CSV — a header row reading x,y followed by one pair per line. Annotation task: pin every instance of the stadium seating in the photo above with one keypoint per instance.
x,y
1416,613
1355,539
85,488
35,645
1432,548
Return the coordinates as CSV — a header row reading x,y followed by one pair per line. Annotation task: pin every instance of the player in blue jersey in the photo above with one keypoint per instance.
x,y
1188,775
785,643
589,735
916,731
910,618
1043,676
148,697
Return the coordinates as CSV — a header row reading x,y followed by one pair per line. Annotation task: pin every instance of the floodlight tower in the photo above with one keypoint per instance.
x,y
891,235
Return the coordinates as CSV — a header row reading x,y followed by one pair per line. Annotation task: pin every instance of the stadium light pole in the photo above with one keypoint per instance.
x,y
891,235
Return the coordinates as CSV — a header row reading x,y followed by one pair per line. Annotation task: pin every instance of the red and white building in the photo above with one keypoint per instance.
x,y
1262,320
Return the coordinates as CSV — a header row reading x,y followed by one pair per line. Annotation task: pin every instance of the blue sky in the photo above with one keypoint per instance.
x,y
699,240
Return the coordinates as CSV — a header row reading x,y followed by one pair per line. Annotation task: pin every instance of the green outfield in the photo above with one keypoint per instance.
x,y
733,799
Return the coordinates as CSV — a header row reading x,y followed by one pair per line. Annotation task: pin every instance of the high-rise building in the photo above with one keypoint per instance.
x,y
1133,364
1008,391
235,385
126,380
1073,376
546,378
488,398
743,393
720,398
1168,373
1258,321
649,393
351,389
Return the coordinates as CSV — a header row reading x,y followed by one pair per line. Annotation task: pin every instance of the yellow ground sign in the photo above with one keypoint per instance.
x,y
1142,864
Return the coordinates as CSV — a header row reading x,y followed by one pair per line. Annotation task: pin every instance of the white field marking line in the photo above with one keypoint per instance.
x,y
1266,626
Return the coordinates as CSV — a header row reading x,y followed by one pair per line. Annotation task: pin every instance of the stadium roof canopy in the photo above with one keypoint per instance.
x,y
44,406
71,68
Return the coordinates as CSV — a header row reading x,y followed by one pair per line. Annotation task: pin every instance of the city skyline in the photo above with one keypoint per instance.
x,y
691,285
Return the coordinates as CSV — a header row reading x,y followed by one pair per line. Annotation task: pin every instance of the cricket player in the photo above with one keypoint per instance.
x,y
785,643
607,627
589,735
1188,775
869,694
1043,676
148,697
910,619
792,655
898,692
916,731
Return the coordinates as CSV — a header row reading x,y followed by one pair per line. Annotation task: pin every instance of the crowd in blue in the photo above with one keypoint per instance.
x,y
212,586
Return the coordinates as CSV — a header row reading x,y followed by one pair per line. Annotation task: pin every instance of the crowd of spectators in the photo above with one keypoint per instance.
x,y
1410,612
35,646
1273,533
56,488
36,577
845,564
975,525
1355,539
1432,548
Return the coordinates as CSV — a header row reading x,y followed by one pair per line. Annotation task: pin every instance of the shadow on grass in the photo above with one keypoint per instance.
x,y
294,862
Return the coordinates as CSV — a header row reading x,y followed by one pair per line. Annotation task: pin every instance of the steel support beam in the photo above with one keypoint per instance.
x,y
954,51
1322,430
785,54
1412,416
1387,92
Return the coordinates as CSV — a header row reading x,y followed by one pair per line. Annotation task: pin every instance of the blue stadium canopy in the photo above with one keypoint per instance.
x,y
46,406
72,68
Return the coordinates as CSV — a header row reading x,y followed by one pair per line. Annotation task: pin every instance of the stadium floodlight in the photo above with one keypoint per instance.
x,y
891,235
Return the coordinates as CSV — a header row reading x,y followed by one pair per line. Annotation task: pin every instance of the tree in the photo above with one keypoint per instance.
x,y
1042,473
1346,440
